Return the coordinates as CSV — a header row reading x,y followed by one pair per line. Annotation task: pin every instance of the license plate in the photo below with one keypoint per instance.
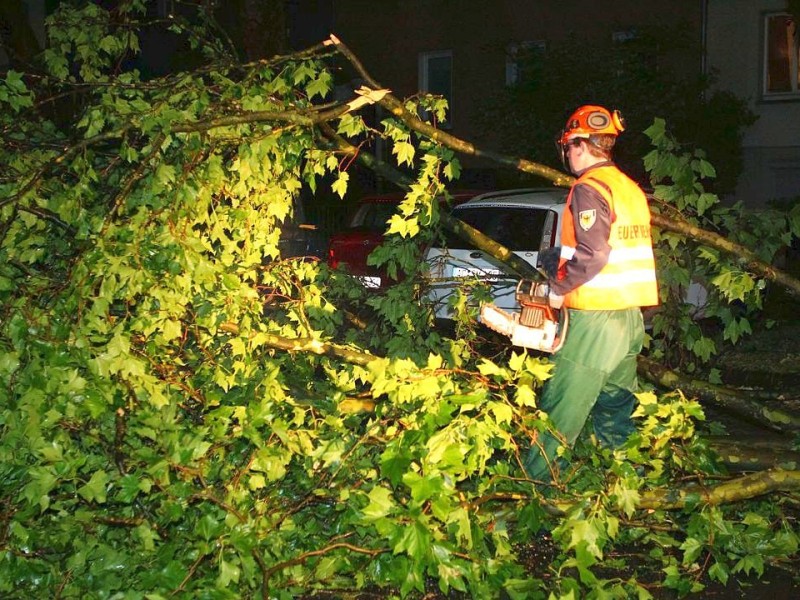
x,y
485,274
370,282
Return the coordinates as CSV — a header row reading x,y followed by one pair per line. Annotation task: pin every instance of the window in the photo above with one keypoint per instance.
x,y
518,229
624,35
781,65
522,60
372,216
161,9
436,77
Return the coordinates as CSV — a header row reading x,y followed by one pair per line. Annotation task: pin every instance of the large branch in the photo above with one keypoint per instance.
x,y
733,490
755,454
306,118
306,345
719,396
747,258
395,106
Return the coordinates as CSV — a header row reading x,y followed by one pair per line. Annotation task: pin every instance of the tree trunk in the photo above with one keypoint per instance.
x,y
754,454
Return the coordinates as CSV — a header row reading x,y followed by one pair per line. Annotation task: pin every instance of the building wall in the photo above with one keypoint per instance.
x,y
734,50
35,10
388,36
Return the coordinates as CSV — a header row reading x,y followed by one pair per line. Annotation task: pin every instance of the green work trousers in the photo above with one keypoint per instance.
x,y
594,374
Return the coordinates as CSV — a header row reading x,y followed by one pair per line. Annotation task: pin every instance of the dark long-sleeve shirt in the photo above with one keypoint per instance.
x,y
592,248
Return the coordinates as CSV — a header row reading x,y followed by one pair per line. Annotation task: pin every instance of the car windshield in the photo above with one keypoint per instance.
x,y
518,229
372,216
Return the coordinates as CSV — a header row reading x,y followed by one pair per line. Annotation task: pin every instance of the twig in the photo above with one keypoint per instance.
x,y
302,558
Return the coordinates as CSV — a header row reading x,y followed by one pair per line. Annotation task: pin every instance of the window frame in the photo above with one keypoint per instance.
x,y
794,65
515,52
423,80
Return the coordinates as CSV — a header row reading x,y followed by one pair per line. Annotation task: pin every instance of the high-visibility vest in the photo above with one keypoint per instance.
x,y
629,278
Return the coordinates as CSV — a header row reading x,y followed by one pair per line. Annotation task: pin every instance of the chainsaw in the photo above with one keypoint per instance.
x,y
537,325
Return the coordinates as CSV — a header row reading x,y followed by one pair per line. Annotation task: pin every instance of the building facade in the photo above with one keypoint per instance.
x,y
752,45
468,49
463,49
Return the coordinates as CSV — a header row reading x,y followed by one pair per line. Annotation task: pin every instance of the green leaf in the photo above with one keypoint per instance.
x,y
9,362
705,201
319,86
452,170
586,532
692,547
704,348
656,131
627,498
414,540
229,572
95,489
350,125
422,488
340,185
404,152
380,504
750,563
525,396
502,412
488,369
719,572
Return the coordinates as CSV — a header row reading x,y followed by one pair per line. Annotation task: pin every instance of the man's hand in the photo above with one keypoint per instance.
x,y
554,300
549,259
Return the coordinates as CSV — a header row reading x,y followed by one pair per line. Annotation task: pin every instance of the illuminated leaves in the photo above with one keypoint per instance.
x,y
174,390
340,185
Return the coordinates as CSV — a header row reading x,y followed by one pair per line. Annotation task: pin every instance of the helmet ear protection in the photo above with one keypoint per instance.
x,y
589,120
599,120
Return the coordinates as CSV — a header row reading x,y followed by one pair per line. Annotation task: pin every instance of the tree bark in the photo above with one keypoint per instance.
x,y
734,490
754,454
307,345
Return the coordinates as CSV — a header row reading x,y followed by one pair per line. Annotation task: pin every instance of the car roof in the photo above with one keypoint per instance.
x,y
554,198
397,197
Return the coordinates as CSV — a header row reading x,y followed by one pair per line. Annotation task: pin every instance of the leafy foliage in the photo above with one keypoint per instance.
x,y
185,412
708,297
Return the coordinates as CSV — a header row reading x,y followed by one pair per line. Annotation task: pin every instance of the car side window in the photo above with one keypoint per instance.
x,y
518,229
373,216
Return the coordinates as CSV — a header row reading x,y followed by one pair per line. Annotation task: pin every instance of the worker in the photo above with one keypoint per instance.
x,y
605,274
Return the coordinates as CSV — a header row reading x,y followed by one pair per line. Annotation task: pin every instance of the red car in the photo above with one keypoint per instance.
x,y
350,248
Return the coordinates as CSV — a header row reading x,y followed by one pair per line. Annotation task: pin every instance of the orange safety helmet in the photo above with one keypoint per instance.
x,y
589,120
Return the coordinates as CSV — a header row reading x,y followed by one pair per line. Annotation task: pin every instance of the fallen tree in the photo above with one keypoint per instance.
x,y
728,399
186,412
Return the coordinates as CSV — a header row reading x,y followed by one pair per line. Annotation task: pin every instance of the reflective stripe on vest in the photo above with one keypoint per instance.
x,y
629,277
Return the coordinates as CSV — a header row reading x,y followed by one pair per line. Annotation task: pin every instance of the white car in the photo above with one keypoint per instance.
x,y
526,221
